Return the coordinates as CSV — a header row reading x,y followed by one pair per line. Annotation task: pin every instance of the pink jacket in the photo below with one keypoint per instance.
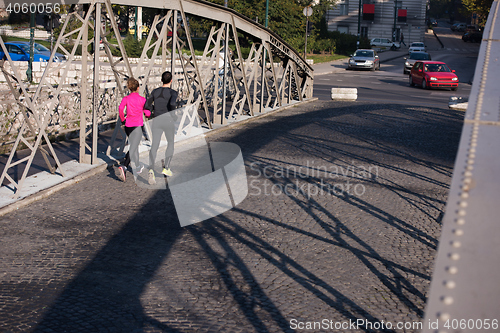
x,y
135,107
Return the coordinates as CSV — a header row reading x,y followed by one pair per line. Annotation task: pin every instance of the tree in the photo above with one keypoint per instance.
x,y
480,7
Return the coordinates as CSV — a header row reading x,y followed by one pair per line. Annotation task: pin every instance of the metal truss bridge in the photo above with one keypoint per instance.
x,y
82,94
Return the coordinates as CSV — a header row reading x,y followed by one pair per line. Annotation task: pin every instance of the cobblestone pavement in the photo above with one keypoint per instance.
x,y
340,225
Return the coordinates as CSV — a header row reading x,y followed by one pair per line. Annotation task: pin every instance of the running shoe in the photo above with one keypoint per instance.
x,y
139,168
151,178
167,172
121,173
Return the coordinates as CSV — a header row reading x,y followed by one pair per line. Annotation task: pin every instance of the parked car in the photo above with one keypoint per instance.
x,y
472,28
20,51
58,57
433,74
417,47
412,58
365,59
458,27
384,43
474,37
433,22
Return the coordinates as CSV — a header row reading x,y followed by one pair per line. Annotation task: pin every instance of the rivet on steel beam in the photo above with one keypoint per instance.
x,y
460,221
455,244
458,232
443,316
452,269
449,284
463,204
448,300
467,174
470,167
462,212
464,195
454,256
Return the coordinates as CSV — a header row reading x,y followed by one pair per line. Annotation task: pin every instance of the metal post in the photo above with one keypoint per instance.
x,y
51,32
97,38
174,46
359,24
29,72
84,158
138,22
224,77
305,47
135,23
267,14
395,15
263,78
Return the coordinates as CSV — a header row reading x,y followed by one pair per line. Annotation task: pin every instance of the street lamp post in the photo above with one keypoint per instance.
x,y
359,24
266,23
307,12
29,72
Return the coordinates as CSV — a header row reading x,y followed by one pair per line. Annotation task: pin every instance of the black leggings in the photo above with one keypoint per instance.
x,y
134,138
159,125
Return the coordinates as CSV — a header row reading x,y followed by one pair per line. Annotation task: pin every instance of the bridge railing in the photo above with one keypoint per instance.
x,y
83,92
464,294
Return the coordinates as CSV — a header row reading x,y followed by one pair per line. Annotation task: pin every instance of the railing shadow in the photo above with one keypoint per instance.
x,y
109,289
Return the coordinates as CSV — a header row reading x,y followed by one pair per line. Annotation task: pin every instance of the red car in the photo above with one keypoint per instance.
x,y
433,74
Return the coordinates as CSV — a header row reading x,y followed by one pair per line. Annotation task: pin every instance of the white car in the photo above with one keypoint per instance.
x,y
384,43
417,47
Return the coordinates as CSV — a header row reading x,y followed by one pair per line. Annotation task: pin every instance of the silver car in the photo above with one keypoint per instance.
x,y
417,47
384,43
412,58
364,59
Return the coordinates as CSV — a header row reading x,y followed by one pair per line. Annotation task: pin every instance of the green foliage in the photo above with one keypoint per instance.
x,y
480,7
132,46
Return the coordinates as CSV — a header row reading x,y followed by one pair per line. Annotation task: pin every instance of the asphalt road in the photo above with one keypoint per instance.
x,y
390,84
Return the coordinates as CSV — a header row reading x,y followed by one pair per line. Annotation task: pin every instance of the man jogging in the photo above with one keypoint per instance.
x,y
160,102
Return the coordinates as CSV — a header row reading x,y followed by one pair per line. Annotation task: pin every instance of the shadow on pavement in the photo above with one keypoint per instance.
x,y
109,291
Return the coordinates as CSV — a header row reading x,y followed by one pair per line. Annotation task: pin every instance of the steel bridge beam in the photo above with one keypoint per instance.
x,y
220,84
464,294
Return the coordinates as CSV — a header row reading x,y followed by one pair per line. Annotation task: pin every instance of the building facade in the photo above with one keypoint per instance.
x,y
380,19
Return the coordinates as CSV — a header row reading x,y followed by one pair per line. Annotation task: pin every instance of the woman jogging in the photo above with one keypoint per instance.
x,y
134,103
160,102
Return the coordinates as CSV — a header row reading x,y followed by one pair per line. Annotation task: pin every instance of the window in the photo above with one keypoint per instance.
x,y
343,29
343,8
14,49
364,32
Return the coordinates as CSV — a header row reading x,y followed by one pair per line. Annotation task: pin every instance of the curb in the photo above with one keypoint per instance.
x,y
51,190
100,168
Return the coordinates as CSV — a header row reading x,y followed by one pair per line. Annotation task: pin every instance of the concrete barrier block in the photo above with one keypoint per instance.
x,y
458,103
345,94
